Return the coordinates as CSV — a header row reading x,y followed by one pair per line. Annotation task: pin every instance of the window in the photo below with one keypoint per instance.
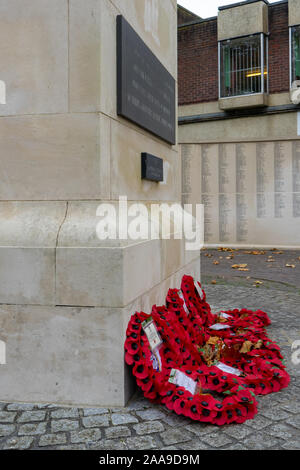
x,y
243,66
295,53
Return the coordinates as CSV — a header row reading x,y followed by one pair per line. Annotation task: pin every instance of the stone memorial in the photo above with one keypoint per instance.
x,y
66,296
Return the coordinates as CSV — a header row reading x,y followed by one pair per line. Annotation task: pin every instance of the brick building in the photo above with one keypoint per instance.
x,y
239,122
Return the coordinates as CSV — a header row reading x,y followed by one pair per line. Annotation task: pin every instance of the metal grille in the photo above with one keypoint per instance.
x,y
243,66
295,53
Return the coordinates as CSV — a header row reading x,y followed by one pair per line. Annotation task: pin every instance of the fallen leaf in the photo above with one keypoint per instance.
x,y
290,266
216,262
214,282
238,266
243,269
247,345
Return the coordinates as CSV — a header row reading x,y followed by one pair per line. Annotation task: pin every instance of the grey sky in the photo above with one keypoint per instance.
x,y
207,8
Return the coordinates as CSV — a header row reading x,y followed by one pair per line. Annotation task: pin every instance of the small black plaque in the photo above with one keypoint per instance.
x,y
152,167
145,89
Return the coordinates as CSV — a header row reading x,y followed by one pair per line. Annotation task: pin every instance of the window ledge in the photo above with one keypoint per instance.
x,y
244,101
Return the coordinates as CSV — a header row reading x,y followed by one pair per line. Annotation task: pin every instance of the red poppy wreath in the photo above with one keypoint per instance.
x,y
206,366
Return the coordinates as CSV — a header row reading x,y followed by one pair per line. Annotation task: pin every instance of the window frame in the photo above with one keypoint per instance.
x,y
264,51
291,51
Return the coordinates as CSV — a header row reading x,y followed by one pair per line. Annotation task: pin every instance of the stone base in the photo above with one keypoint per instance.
x,y
72,355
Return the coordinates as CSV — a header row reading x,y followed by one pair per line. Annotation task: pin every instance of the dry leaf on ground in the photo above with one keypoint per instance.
x,y
239,266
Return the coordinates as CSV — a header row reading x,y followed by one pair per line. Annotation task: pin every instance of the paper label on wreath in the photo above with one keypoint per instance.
x,y
225,315
180,294
227,369
156,360
152,334
179,378
199,290
219,326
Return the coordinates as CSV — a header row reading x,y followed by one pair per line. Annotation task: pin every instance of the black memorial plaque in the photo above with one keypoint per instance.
x,y
152,167
145,89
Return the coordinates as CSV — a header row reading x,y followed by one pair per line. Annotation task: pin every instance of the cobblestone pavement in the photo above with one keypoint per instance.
x,y
282,266
142,425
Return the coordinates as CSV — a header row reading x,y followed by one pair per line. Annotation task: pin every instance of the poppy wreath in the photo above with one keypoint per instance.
x,y
228,366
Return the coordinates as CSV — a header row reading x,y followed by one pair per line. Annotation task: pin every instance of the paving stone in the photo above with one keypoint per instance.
x,y
174,436
261,441
72,447
6,429
109,444
216,439
20,406
236,447
201,428
174,420
275,415
87,435
65,413
291,445
237,431
151,414
280,430
125,418
291,406
95,421
149,427
195,444
259,422
141,443
117,431
21,443
32,429
94,411
28,416
64,425
52,440
138,404
7,417
294,421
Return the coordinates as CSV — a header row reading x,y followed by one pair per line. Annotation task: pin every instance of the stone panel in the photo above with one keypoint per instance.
x,y
34,56
243,20
84,41
127,146
251,197
294,12
53,157
62,355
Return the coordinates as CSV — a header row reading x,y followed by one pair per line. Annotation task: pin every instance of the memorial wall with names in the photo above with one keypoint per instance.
x,y
250,191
